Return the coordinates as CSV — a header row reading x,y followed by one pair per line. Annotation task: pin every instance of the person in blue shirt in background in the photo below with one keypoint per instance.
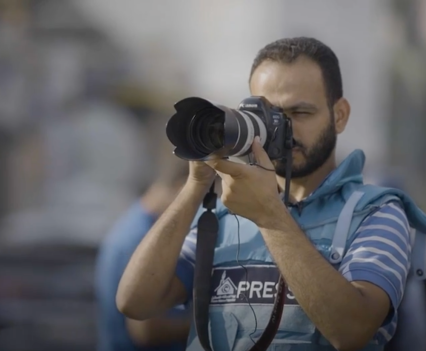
x,y
115,331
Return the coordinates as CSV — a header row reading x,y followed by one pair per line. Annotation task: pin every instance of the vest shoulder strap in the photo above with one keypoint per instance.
x,y
357,201
341,232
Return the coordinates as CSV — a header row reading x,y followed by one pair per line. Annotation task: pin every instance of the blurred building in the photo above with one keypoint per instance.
x,y
74,154
407,98
211,53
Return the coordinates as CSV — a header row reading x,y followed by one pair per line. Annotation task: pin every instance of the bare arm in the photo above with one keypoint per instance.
x,y
159,331
347,313
149,286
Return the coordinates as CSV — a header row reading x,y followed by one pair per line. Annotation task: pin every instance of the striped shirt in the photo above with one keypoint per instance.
x,y
379,254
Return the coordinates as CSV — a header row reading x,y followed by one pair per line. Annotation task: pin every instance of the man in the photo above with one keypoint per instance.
x,y
168,332
341,297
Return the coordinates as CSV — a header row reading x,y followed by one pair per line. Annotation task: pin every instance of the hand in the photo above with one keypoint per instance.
x,y
248,190
201,174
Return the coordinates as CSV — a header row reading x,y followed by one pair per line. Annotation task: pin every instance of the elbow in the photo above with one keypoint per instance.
x,y
342,345
131,311
353,334
127,305
136,306
349,342
127,308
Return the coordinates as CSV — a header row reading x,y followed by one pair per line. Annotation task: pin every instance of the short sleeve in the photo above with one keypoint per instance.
x,y
380,253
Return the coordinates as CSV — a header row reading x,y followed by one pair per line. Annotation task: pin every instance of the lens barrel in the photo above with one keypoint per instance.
x,y
201,130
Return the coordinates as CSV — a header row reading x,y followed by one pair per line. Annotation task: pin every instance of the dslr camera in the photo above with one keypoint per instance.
x,y
201,130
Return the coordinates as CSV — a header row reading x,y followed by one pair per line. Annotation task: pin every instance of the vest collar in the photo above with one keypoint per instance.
x,y
349,171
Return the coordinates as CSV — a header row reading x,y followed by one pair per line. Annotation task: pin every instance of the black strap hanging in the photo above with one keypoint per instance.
x,y
208,227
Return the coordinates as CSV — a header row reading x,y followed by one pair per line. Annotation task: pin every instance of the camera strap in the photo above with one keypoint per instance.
x,y
208,228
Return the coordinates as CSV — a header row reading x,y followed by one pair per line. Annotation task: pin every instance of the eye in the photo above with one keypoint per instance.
x,y
300,113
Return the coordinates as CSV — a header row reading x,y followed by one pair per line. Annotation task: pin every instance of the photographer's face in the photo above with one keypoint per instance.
x,y
298,88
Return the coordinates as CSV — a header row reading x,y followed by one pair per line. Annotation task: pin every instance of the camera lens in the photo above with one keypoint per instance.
x,y
201,130
207,131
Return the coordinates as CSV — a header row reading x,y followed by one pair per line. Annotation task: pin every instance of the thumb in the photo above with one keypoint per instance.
x,y
260,154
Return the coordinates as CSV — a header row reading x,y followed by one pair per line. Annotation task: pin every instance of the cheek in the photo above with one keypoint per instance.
x,y
307,130
305,136
298,157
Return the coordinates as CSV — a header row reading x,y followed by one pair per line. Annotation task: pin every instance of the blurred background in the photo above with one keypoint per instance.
x,y
86,87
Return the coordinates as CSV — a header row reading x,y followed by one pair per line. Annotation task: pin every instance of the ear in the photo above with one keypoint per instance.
x,y
342,110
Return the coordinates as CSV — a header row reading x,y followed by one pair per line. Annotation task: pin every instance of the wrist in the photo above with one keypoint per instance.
x,y
273,215
197,186
196,189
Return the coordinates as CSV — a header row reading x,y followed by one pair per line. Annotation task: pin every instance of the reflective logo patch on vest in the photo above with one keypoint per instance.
x,y
254,284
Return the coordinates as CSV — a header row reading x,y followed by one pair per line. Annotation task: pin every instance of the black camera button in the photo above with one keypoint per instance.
x,y
274,151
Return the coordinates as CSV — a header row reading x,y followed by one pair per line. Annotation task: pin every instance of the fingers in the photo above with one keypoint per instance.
x,y
226,167
234,169
260,154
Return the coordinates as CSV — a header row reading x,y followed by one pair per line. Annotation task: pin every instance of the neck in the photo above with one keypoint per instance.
x,y
158,197
300,188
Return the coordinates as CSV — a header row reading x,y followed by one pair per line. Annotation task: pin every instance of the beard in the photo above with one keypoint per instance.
x,y
314,156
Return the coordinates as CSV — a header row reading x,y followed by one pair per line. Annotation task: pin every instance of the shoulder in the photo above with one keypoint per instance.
x,y
380,251
386,231
388,216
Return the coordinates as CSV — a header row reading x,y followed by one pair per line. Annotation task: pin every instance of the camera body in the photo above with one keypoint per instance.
x,y
201,130
278,126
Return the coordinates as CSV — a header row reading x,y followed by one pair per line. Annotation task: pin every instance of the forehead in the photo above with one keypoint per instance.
x,y
285,84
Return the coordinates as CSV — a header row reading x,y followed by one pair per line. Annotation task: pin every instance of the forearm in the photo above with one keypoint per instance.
x,y
151,269
334,305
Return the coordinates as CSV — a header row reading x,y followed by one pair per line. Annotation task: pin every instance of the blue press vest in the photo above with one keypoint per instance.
x,y
330,218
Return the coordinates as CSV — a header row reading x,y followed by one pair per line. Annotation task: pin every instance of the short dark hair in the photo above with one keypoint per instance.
x,y
288,50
